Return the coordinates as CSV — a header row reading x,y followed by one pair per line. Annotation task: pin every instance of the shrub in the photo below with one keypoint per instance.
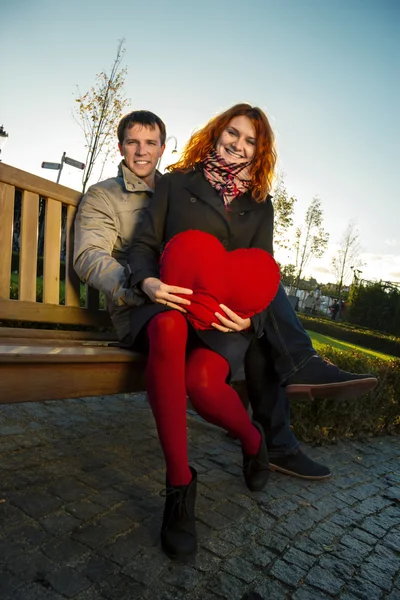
x,y
327,421
374,414
353,334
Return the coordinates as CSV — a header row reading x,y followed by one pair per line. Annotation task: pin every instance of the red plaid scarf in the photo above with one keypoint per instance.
x,y
229,179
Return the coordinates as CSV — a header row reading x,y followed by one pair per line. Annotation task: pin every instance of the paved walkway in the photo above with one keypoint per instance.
x,y
80,513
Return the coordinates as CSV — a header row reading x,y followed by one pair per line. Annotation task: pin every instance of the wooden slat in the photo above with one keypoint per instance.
x,y
92,298
38,354
15,333
59,381
17,310
7,193
72,283
38,185
52,251
28,246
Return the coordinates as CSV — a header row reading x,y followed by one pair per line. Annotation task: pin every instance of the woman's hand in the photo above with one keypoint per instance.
x,y
162,293
230,321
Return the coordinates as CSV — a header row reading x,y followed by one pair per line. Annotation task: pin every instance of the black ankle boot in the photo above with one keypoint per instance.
x,y
178,531
256,466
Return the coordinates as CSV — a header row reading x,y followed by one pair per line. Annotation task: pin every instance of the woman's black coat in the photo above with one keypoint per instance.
x,y
185,201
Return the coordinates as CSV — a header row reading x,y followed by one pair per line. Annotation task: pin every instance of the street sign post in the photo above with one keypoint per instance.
x,y
59,166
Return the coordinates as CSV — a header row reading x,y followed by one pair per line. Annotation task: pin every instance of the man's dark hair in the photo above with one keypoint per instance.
x,y
141,117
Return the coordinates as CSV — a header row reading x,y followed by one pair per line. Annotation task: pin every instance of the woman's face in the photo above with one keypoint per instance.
x,y
237,142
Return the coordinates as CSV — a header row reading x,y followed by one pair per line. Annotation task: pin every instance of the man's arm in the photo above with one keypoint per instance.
x,y
95,236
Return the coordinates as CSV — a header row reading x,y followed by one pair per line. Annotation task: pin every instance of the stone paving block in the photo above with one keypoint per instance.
x,y
34,591
378,577
59,523
232,511
370,526
365,590
240,568
372,505
69,489
270,589
9,583
64,550
356,545
324,580
227,586
37,504
364,536
281,508
91,534
31,566
182,577
29,533
217,546
342,569
206,562
67,581
287,573
308,546
121,587
84,509
306,592
259,556
299,558
122,550
147,566
392,540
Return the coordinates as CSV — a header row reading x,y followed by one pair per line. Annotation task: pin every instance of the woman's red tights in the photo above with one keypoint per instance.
x,y
170,376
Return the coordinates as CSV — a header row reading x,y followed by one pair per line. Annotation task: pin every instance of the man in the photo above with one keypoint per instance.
x,y
105,226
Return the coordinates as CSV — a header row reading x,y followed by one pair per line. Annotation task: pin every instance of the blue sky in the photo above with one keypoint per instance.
x,y
326,73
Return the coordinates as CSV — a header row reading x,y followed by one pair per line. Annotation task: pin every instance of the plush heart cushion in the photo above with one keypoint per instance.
x,y
245,280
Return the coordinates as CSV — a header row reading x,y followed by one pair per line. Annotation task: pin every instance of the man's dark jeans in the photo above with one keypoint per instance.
x,y
284,349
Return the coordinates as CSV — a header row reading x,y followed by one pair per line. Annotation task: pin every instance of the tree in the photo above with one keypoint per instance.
x,y
283,212
310,239
347,257
98,113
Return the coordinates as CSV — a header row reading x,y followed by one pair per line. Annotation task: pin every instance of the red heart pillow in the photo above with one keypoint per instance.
x,y
245,280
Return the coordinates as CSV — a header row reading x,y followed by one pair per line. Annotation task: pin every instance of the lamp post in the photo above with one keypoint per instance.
x,y
3,138
174,151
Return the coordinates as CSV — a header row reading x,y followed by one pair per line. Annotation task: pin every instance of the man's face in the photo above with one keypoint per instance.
x,y
141,150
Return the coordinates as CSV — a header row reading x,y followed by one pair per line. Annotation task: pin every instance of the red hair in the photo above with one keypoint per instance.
x,y
262,166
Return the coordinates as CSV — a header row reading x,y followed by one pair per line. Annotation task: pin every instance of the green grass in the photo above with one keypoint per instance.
x,y
320,340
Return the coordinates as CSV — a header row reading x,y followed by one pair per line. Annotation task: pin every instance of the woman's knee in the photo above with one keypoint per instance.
x,y
167,324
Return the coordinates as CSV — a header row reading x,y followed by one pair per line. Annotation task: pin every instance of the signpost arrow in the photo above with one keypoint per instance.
x,y
49,165
74,163
59,166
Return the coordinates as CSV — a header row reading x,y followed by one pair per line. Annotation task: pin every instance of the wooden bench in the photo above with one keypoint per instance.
x,y
43,362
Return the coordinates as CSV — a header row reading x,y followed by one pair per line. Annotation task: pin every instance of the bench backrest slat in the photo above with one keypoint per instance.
x,y
52,251
72,283
7,193
29,246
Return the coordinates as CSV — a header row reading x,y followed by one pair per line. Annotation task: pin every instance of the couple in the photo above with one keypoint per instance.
x,y
221,186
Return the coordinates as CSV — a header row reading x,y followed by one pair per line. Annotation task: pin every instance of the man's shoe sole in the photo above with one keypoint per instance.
x,y
344,390
273,467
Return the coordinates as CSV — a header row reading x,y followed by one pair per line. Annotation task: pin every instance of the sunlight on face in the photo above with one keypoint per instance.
x,y
237,142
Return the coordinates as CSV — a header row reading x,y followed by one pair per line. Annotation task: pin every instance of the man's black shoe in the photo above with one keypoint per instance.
x,y
299,465
321,379
256,466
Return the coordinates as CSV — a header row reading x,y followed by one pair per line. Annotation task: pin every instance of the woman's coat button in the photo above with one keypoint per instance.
x,y
192,199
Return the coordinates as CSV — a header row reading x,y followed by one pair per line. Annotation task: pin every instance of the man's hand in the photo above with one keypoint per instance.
x,y
230,321
162,293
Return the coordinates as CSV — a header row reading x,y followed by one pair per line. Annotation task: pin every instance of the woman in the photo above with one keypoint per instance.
x,y
220,186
